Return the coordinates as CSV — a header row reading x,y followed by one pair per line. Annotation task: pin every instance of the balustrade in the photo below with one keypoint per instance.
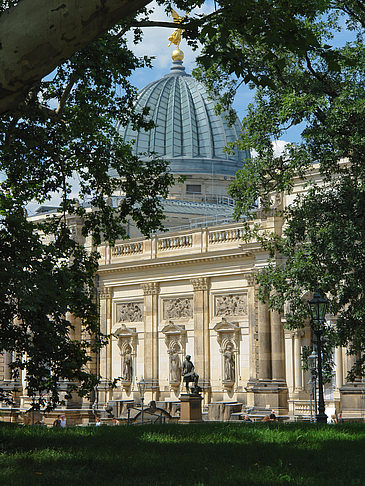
x,y
127,249
175,242
226,235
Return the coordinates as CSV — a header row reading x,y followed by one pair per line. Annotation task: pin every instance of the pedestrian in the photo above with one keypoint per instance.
x,y
272,416
57,422
63,421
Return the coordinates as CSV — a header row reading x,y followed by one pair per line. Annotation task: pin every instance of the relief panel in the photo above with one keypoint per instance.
x,y
231,305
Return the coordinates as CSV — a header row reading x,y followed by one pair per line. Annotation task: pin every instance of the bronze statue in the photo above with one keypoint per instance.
x,y
189,375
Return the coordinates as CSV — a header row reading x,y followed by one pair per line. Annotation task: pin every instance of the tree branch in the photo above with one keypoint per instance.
x,y
321,78
73,78
38,35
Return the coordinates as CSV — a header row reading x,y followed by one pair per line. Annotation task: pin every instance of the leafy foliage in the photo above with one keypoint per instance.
x,y
293,54
68,128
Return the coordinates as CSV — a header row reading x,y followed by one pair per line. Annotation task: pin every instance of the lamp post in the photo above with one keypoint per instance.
x,y
141,389
317,308
312,362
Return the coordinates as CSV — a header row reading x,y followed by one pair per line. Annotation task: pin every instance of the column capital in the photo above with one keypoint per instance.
x,y
105,292
250,277
151,288
299,333
201,283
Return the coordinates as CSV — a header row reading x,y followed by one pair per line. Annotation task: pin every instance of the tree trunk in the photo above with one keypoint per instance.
x,y
38,35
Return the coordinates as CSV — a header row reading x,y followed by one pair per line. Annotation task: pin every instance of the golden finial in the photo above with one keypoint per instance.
x,y
175,37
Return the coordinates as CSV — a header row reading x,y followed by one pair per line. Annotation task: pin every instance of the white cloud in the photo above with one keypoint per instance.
x,y
278,146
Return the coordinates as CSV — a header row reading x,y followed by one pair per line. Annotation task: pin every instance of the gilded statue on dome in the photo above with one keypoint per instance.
x,y
175,37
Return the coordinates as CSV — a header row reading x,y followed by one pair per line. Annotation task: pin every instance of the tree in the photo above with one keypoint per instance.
x,y
61,126
302,75
37,35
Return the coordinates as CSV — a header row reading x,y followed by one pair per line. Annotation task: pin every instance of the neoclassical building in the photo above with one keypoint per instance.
x,y
193,290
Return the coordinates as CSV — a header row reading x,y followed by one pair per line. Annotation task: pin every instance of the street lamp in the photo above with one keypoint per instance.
x,y
312,363
317,308
141,388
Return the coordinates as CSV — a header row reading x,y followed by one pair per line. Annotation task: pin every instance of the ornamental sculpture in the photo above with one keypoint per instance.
x,y
231,305
175,37
178,308
129,312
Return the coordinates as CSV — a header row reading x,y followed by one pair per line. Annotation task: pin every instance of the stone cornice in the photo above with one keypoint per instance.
x,y
171,262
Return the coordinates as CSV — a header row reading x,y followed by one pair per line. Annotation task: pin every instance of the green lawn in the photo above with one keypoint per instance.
x,y
204,454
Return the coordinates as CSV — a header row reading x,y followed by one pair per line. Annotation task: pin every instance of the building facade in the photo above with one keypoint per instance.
x,y
193,289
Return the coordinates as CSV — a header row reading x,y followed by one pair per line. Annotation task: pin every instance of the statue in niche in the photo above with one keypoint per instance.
x,y
127,364
174,366
229,363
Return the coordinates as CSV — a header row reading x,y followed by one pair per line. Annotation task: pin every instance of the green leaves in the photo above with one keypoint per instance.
x,y
68,128
291,52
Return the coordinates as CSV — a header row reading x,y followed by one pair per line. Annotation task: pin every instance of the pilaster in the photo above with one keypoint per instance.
x,y
104,360
151,369
201,331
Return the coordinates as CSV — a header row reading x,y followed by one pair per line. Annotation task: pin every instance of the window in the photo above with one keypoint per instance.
x,y
193,189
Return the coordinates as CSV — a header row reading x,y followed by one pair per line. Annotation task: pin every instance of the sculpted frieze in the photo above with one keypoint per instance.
x,y
178,308
130,312
231,305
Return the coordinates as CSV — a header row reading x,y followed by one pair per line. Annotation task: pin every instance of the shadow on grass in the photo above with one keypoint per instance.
x,y
206,454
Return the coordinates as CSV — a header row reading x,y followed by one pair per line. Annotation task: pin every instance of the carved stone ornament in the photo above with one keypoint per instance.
x,y
228,340
231,305
151,288
175,339
130,312
200,283
105,293
177,308
227,331
250,277
127,342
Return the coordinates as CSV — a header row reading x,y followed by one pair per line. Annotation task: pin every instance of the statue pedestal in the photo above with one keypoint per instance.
x,y
190,408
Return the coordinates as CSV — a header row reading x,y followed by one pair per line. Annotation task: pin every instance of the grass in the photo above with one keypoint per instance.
x,y
199,455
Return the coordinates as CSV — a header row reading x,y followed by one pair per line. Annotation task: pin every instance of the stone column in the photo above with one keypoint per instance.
x,y
201,356
151,369
7,361
350,361
277,347
264,341
105,301
339,367
298,360
103,361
